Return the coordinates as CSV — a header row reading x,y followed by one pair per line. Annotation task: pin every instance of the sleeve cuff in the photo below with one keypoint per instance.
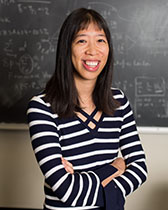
x,y
105,171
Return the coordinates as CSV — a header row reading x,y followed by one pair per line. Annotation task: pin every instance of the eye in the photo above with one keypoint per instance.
x,y
81,41
102,40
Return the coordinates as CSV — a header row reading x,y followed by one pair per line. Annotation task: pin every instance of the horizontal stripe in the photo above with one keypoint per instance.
x,y
112,119
89,154
123,106
48,158
128,115
134,154
70,124
128,125
53,170
40,111
79,133
109,130
44,133
89,142
46,146
127,135
52,198
42,122
118,96
90,165
71,208
132,144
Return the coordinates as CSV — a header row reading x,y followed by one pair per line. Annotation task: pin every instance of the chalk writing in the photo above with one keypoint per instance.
x,y
24,32
28,38
150,86
155,107
26,64
7,2
33,10
35,1
4,20
132,63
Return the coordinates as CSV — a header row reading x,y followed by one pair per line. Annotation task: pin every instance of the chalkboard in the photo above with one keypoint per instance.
x,y
28,39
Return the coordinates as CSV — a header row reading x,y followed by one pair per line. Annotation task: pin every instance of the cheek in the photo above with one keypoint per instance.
x,y
75,60
76,55
105,54
73,55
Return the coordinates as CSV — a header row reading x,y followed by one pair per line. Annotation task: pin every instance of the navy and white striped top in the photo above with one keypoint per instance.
x,y
89,150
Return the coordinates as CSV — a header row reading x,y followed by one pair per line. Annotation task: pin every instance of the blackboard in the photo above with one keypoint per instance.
x,y
28,38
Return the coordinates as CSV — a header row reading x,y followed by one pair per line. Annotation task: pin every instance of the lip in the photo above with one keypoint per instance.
x,y
90,68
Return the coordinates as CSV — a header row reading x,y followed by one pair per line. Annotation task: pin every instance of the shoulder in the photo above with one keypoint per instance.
x,y
37,102
118,93
120,96
38,99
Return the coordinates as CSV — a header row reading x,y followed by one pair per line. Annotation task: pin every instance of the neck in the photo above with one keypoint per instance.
x,y
85,90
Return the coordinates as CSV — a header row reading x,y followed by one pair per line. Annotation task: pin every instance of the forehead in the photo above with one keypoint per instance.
x,y
92,27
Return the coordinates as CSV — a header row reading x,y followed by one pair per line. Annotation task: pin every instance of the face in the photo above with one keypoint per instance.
x,y
90,51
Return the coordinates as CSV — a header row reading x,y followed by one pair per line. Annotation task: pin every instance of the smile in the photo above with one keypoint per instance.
x,y
91,65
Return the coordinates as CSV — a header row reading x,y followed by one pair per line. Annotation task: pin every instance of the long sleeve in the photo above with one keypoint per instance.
x,y
132,151
78,189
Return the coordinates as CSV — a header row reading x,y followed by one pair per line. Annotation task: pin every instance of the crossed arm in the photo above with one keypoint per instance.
x,y
47,148
119,164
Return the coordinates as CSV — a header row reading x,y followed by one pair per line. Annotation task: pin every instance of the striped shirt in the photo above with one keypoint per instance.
x,y
89,150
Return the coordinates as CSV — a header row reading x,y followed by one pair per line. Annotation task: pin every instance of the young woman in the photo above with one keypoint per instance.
x,y
79,124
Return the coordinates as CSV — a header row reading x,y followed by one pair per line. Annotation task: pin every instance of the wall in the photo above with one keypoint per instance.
x,y
21,180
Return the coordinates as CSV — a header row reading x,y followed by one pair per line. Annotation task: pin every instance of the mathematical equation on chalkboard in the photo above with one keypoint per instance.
x,y
28,38
140,55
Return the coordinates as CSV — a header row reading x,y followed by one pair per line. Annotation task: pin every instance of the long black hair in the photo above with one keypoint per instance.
x,y
60,90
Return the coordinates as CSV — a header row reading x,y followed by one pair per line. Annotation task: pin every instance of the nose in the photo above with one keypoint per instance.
x,y
91,49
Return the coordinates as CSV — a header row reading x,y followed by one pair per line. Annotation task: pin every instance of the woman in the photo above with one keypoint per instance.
x,y
79,124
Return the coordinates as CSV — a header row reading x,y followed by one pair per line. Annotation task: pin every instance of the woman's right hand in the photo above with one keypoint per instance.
x,y
67,165
119,164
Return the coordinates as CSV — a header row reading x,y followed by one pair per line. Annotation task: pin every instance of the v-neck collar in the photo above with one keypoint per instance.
x,y
90,118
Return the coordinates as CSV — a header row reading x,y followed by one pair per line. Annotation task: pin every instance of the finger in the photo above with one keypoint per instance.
x,y
67,165
69,170
67,162
63,161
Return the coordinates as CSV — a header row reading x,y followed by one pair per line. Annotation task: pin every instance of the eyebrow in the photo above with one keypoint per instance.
x,y
79,35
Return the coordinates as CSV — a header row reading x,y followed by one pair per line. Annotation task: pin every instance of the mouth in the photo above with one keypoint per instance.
x,y
91,65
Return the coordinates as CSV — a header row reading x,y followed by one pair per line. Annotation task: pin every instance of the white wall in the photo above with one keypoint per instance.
x,y
21,182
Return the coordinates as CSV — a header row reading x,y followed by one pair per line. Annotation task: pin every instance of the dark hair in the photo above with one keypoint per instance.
x,y
60,89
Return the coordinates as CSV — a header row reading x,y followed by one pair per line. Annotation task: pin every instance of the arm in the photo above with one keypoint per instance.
x,y
132,151
118,163
77,189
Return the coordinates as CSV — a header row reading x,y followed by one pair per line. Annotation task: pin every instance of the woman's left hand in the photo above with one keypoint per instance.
x,y
119,164
68,166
